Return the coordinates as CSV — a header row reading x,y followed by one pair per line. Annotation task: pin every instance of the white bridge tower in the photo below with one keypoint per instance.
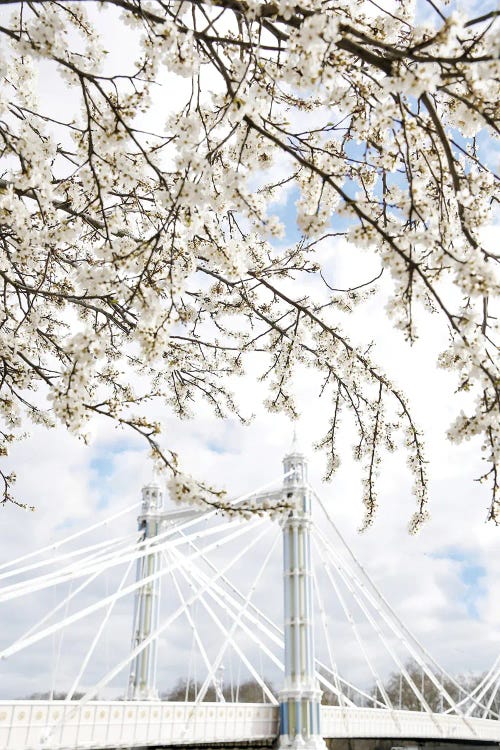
x,y
300,698
142,681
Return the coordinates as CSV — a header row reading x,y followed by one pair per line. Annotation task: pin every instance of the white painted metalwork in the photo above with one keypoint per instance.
x,y
59,725
142,679
300,697
377,722
134,724
177,545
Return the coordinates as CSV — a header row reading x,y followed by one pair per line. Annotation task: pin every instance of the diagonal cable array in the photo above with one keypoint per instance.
x,y
203,556
342,568
185,536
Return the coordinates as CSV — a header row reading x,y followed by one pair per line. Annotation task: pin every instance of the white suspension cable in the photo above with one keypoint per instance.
x,y
333,689
247,528
324,624
26,588
98,634
59,606
230,640
222,599
9,651
485,686
261,620
237,621
493,694
352,623
156,544
241,498
196,635
418,693
75,569
67,556
347,575
349,685
351,579
383,602
76,535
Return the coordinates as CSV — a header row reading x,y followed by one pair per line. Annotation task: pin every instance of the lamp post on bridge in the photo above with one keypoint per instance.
x,y
300,697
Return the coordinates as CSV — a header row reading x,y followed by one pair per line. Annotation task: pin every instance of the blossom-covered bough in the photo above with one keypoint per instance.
x,y
141,256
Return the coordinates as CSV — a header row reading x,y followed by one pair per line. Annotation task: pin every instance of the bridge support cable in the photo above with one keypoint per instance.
x,y
111,674
349,578
192,665
261,618
486,683
9,651
217,592
97,636
480,691
225,600
192,574
56,655
28,638
256,617
97,549
350,687
230,641
136,550
194,630
492,697
350,619
237,615
351,581
59,543
359,601
243,529
192,516
275,633
133,552
97,562
63,604
426,656
343,700
331,657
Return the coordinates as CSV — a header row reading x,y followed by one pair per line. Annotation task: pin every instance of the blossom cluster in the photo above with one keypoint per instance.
x,y
142,256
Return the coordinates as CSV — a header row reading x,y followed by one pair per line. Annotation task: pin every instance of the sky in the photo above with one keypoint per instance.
x,y
443,582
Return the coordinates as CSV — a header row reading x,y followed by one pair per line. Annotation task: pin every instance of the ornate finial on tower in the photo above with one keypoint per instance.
x,y
295,465
152,498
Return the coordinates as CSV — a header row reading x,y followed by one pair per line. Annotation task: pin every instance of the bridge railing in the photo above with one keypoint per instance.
x,y
374,722
53,725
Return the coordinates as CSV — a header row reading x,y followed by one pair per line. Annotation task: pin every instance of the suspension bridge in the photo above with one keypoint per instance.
x,y
215,567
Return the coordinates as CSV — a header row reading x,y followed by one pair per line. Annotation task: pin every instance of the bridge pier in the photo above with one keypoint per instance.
x,y
300,697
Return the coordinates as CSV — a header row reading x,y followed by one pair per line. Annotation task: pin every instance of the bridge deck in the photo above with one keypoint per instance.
x,y
61,725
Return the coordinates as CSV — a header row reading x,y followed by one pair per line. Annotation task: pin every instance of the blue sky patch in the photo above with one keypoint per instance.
x,y
102,466
471,574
